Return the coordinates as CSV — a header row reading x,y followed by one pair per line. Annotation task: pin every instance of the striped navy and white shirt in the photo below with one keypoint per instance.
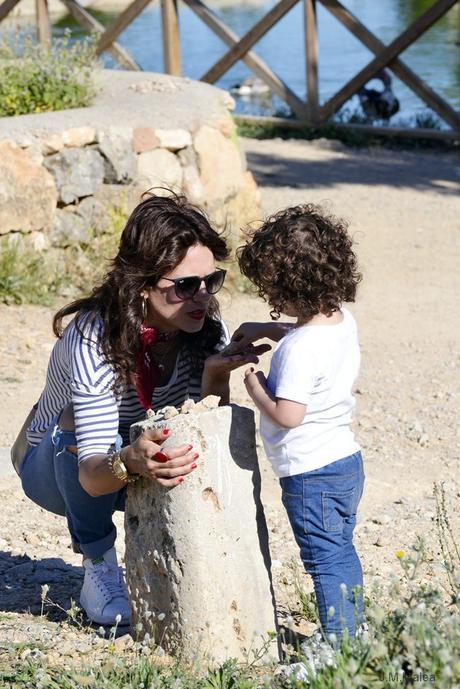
x,y
78,373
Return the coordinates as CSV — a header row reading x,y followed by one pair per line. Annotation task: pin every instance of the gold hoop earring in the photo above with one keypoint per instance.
x,y
144,309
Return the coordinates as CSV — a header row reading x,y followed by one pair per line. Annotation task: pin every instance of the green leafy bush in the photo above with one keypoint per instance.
x,y
28,276
36,79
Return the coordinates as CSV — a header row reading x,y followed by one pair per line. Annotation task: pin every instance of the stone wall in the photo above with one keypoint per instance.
x,y
62,173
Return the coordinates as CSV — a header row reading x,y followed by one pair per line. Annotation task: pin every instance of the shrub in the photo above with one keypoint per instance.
x,y
33,277
27,276
36,79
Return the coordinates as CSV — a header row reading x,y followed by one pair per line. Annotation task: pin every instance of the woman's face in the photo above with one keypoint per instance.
x,y
165,310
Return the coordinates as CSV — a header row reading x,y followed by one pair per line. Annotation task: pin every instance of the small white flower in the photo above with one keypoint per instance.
x,y
331,611
118,618
343,588
161,616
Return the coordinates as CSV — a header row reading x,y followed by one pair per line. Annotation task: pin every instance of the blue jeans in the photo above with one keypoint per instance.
x,y
49,476
321,506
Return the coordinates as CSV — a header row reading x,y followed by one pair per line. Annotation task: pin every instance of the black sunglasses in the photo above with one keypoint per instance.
x,y
186,288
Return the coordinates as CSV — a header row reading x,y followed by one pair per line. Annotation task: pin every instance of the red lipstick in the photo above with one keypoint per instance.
x,y
197,315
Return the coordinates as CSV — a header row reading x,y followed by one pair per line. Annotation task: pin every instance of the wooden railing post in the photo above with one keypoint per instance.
x,y
171,37
311,54
43,22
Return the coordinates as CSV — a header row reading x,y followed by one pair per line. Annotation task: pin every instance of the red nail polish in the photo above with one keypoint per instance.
x,y
189,448
196,455
165,431
194,466
160,457
181,479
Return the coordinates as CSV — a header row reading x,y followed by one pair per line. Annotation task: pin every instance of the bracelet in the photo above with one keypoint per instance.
x,y
118,468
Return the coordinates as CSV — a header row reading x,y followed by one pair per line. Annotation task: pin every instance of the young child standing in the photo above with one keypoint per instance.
x,y
302,262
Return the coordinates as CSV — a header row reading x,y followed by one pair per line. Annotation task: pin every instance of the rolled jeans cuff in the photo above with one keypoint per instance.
x,y
96,549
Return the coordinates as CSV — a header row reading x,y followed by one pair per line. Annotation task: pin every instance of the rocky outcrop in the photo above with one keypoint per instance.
x,y
197,555
28,192
174,134
78,172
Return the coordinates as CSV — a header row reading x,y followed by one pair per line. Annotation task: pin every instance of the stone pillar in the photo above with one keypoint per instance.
x,y
197,558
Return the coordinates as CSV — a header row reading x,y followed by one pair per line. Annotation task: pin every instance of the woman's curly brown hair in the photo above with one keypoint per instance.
x,y
155,239
301,258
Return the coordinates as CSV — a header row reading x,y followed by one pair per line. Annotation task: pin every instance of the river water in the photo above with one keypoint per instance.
x,y
435,56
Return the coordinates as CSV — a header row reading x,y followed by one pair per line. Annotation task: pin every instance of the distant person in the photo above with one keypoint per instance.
x,y
149,335
302,262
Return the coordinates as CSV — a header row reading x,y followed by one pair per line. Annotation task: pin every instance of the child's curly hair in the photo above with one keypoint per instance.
x,y
302,258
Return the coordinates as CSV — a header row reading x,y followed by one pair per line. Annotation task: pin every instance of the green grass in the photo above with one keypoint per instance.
x,y
33,277
35,79
350,137
27,276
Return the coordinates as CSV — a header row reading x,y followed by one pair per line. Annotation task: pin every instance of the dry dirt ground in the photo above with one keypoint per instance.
x,y
404,212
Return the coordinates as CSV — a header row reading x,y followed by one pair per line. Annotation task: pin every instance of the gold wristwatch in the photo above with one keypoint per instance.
x,y
118,468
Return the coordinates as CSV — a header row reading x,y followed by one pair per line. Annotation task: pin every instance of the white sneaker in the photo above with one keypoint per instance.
x,y
104,596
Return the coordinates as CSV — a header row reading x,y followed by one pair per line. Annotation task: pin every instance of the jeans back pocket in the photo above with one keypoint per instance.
x,y
338,506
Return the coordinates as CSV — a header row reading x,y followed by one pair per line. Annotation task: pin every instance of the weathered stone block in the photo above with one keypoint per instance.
x,y
240,211
116,145
219,164
27,192
99,211
52,143
69,229
192,186
174,139
144,139
226,126
78,136
188,156
159,168
78,172
197,554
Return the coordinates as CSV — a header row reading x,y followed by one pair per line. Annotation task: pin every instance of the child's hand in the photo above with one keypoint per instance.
x,y
248,372
247,333
254,379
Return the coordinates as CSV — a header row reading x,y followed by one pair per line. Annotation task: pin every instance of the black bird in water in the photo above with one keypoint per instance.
x,y
379,105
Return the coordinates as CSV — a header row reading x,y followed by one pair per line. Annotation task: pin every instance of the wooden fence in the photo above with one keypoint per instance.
x,y
241,48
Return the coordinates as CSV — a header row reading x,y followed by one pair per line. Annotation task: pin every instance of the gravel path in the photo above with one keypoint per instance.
x,y
404,212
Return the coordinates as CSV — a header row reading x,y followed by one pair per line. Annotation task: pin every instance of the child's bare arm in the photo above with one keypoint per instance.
x,y
285,413
249,332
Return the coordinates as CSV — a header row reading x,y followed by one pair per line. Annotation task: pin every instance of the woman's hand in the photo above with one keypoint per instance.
x,y
232,357
167,466
217,369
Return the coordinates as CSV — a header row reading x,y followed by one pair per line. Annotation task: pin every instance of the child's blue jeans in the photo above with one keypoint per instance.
x,y
49,476
321,506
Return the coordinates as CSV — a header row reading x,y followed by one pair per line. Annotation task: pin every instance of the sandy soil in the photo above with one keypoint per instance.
x,y
404,212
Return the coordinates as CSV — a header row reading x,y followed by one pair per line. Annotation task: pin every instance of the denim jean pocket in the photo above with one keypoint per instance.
x,y
338,506
293,504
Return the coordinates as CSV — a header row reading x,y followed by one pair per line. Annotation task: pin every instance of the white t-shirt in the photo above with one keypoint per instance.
x,y
315,365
